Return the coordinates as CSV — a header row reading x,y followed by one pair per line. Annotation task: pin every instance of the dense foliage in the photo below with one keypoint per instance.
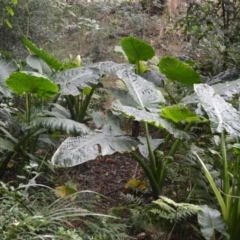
x,y
48,120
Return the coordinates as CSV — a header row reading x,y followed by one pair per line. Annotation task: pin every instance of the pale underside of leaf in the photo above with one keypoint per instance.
x,y
6,68
144,93
151,118
144,147
222,115
75,151
61,124
226,90
74,80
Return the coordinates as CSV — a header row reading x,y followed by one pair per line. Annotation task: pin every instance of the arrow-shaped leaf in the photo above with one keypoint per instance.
x,y
210,220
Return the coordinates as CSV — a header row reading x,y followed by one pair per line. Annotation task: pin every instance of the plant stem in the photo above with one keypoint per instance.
x,y
226,186
12,153
28,107
70,106
178,142
85,104
166,141
149,174
151,154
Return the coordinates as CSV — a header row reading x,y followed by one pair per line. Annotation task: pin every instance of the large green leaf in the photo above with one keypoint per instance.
x,y
51,61
180,112
151,118
222,115
144,93
136,50
176,70
226,90
31,82
74,151
7,66
210,220
74,80
61,124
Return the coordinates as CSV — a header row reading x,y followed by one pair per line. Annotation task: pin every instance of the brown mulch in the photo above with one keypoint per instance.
x,y
105,175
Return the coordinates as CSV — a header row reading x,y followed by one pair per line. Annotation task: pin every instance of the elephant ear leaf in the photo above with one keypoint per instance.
x,y
180,112
51,61
7,66
176,70
144,93
38,64
31,82
61,124
75,151
222,115
136,49
210,220
74,80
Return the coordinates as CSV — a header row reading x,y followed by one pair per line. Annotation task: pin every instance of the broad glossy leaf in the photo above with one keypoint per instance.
x,y
176,70
226,90
143,148
151,118
210,220
180,112
32,82
75,151
74,80
61,124
222,115
7,66
51,61
144,93
136,49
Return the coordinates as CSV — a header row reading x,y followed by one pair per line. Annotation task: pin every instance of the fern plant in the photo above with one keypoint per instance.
x,y
168,209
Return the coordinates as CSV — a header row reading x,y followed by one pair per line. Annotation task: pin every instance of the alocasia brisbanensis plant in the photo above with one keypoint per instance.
x,y
139,100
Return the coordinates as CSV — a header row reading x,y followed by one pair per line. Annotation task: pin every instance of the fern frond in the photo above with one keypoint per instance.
x,y
168,209
129,198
